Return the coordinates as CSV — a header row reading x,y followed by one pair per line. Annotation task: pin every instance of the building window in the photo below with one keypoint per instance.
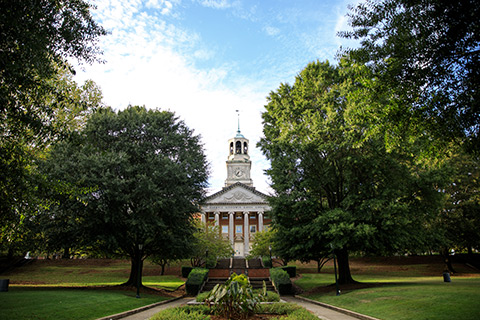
x,y
211,216
238,147
225,229
238,229
266,227
238,216
245,148
253,229
253,216
224,216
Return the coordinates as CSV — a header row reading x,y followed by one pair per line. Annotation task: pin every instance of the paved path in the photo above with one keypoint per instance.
x,y
323,311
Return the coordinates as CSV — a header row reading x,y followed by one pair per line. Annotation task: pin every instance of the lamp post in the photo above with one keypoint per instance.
x,y
270,252
335,268
139,275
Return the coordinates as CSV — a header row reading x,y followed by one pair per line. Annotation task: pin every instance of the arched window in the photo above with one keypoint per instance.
x,y
231,147
238,147
245,148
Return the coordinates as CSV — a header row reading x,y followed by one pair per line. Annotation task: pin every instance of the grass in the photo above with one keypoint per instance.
x,y
87,273
75,289
56,303
400,291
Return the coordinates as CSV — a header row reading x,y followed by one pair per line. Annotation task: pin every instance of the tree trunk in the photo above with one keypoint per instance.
x,y
448,261
344,275
133,279
66,253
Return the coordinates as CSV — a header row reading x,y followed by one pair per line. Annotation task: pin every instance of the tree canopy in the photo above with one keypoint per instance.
x,y
331,190
36,39
427,53
138,175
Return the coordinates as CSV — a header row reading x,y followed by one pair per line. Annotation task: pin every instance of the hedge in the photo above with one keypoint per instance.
x,y
195,280
281,280
291,270
186,271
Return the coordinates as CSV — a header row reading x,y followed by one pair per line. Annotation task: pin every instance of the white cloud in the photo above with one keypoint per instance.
x,y
145,67
271,31
216,4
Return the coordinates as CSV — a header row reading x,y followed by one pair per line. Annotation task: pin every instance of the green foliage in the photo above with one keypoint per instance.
x,y
426,53
281,280
262,243
37,94
195,280
148,171
234,300
335,185
267,261
208,245
186,271
181,313
291,270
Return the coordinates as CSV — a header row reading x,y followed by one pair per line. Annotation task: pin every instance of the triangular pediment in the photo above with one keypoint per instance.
x,y
237,193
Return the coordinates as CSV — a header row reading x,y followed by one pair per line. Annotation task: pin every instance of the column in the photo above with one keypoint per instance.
x,y
203,218
260,221
231,227
246,234
217,218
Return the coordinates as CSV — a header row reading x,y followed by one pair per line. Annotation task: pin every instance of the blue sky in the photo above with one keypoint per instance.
x,y
204,59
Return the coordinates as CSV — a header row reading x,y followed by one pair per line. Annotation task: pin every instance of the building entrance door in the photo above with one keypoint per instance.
x,y
239,249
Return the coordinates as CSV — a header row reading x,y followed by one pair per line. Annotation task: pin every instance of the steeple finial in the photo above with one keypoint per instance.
x,y
239,135
238,120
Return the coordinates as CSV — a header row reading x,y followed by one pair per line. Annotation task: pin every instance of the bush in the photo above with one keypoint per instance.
x,y
291,270
195,280
267,262
183,313
234,299
186,271
281,281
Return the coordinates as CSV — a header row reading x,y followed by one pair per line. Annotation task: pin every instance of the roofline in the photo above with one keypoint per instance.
x,y
237,184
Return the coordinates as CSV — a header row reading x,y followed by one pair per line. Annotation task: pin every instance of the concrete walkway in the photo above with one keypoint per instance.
x,y
321,310
325,311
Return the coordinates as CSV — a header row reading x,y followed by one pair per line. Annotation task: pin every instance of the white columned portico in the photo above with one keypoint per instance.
x,y
246,234
260,221
217,218
203,218
231,229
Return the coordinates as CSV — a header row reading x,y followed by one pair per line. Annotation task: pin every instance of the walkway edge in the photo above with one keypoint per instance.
x,y
140,309
345,311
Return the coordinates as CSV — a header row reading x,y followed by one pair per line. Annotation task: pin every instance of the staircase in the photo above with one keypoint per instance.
x,y
253,269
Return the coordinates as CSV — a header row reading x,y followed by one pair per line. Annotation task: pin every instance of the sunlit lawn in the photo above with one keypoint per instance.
x,y
61,303
398,297
73,289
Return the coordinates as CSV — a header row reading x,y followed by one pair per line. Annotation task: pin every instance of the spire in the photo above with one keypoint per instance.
x,y
239,135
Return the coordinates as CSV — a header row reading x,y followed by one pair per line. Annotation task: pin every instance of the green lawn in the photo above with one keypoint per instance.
x,y
56,303
398,297
86,273
50,289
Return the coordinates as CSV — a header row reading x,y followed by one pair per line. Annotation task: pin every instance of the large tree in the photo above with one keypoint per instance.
x,y
427,52
139,175
36,39
335,187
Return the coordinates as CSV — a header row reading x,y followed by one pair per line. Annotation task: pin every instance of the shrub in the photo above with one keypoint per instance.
x,y
233,300
186,271
201,297
267,261
281,281
183,313
195,280
291,270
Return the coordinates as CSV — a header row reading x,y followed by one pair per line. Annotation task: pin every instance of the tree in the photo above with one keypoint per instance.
x,y
148,173
427,53
335,187
208,245
36,39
